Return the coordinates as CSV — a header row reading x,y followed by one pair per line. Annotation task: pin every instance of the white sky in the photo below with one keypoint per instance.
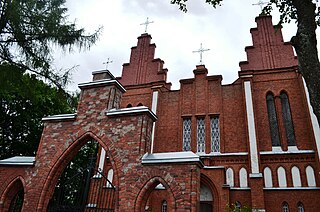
x,y
225,30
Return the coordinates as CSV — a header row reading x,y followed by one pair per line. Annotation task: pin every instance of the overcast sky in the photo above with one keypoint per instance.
x,y
225,31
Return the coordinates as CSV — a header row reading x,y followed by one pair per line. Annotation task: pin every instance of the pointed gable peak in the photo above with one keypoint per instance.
x,y
143,67
268,51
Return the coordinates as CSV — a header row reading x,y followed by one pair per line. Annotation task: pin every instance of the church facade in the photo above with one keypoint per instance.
x,y
205,147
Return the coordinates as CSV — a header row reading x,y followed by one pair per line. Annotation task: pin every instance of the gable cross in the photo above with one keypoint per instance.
x,y
147,23
260,3
107,63
200,51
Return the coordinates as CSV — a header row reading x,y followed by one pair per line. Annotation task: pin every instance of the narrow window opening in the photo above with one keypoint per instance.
x,y
287,119
187,134
215,134
201,135
273,120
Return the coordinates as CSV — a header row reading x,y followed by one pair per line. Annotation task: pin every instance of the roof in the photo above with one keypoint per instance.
x,y
170,157
18,161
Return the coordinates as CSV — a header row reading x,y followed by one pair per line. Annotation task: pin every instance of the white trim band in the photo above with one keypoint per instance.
x,y
132,110
60,117
102,83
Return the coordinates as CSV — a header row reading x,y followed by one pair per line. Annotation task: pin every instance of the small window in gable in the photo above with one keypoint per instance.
x,y
282,180
296,179
129,105
140,104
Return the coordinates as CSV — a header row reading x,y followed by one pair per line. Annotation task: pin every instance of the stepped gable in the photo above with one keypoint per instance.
x,y
268,50
143,67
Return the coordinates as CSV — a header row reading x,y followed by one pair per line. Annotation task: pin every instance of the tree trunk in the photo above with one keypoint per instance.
x,y
305,44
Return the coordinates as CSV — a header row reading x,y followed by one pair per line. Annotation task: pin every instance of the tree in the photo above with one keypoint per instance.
x,y
30,29
24,101
307,16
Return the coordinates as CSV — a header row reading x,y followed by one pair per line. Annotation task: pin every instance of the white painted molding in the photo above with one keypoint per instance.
x,y
255,175
154,110
170,157
293,188
287,152
292,148
102,83
19,161
60,117
276,149
132,110
217,154
314,121
251,129
213,167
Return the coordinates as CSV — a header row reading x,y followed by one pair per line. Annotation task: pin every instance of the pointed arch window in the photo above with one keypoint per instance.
x,y
230,178
110,178
287,119
267,177
300,207
201,135
273,120
310,177
296,179
285,207
282,180
243,177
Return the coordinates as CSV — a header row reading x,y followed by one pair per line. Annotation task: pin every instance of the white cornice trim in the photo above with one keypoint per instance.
x,y
287,152
19,161
293,188
170,157
60,117
218,154
101,83
132,110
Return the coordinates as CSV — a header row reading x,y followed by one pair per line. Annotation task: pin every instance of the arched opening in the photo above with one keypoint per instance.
x,y
209,197
13,196
156,195
140,104
206,199
129,105
83,185
273,120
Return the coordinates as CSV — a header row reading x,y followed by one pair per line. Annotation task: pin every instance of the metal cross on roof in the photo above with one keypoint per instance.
x,y
200,51
260,3
147,23
107,63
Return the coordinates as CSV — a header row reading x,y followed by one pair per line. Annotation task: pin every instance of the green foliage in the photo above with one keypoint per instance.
x,y
233,208
30,29
287,8
24,101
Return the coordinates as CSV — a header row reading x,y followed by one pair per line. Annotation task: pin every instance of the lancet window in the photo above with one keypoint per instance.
x,y
187,134
215,134
201,135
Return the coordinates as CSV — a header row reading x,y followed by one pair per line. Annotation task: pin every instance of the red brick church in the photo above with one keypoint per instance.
x,y
253,143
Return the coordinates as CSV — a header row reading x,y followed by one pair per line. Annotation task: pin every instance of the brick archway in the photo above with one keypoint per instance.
x,y
216,197
10,192
64,160
146,190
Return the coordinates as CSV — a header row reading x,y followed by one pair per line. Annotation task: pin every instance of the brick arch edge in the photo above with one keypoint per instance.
x,y
65,158
146,191
11,190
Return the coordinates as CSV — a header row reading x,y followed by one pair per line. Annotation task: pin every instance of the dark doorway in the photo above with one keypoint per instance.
x,y
206,207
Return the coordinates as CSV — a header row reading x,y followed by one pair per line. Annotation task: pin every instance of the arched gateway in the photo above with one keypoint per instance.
x,y
100,159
